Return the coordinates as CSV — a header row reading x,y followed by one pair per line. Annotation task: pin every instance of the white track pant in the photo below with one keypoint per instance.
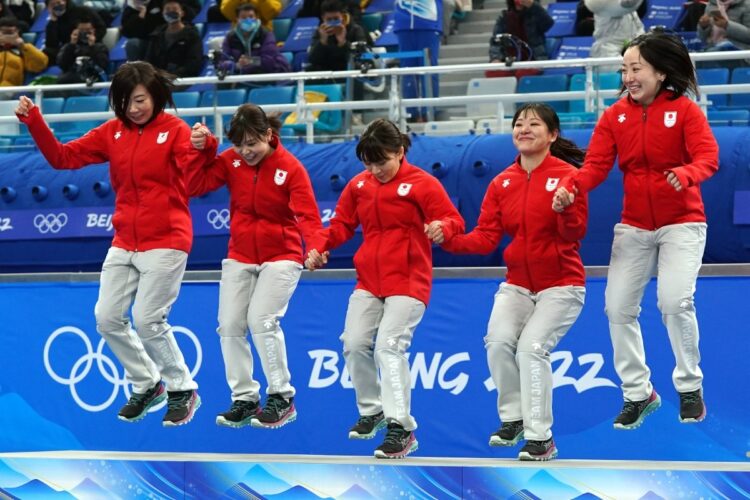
x,y
150,281
376,336
255,297
523,329
675,253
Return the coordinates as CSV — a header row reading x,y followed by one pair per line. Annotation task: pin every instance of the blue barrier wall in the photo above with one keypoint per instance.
x,y
60,387
466,166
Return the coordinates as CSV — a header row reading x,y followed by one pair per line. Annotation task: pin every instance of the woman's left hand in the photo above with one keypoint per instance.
x,y
198,136
434,231
673,180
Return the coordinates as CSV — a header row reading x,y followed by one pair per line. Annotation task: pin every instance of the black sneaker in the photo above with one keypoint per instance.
x,y
367,426
239,415
138,405
276,412
538,450
633,412
692,408
509,434
181,406
398,443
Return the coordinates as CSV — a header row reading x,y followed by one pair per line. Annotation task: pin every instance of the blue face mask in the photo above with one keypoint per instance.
x,y
59,10
248,25
171,16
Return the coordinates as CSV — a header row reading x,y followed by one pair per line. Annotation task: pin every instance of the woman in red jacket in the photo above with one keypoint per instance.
x,y
272,207
544,289
393,201
149,154
665,150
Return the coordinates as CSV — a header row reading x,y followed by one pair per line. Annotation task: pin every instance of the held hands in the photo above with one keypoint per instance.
x,y
24,106
673,180
316,260
562,199
434,231
198,135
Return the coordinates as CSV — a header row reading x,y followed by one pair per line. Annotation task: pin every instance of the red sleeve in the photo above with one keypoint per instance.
x,y
571,222
305,208
486,236
701,147
437,205
207,171
600,158
344,222
91,148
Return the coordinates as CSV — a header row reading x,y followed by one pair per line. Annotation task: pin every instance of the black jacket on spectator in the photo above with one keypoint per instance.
x,y
182,57
311,8
326,55
584,20
66,59
58,32
527,24
135,27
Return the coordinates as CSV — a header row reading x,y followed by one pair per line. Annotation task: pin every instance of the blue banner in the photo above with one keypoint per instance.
x,y
61,387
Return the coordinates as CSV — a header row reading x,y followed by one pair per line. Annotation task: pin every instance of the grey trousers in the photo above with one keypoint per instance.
x,y
675,253
376,336
523,329
255,297
150,281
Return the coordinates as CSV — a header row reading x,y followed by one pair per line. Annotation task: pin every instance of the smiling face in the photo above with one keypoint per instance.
x,y
140,106
531,135
386,169
640,78
253,149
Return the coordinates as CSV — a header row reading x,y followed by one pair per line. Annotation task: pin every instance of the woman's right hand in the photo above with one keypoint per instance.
x,y
562,199
24,106
198,136
316,260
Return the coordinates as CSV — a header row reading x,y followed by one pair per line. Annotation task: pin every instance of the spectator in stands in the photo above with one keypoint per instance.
x,y
149,154
694,10
544,290
63,18
259,275
725,25
175,46
83,59
140,18
250,48
616,23
665,148
106,9
266,10
331,45
584,20
418,25
393,201
527,20
17,56
312,8
23,10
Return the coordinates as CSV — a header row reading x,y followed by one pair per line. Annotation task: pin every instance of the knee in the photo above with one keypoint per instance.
x,y
262,323
620,312
109,319
674,304
353,343
232,328
148,322
532,347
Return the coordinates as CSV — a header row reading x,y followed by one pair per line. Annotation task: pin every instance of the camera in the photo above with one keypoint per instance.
x,y
512,48
88,71
333,22
83,37
359,61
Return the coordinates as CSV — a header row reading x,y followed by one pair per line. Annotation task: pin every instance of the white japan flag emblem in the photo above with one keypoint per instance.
x,y
280,176
670,118
403,189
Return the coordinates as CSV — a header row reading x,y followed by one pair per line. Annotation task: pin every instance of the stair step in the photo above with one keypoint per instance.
x,y
463,38
465,50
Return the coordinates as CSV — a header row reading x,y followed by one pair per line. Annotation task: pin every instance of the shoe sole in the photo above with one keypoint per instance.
x,y
220,420
695,420
375,430
498,441
186,419
388,456
288,419
157,400
648,410
528,457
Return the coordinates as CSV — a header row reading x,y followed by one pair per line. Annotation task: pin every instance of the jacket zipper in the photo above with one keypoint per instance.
x,y
648,171
135,189
380,240
255,211
525,235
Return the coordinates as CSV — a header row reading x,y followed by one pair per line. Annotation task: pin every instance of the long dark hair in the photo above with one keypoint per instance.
x,y
158,83
380,138
668,55
251,120
562,148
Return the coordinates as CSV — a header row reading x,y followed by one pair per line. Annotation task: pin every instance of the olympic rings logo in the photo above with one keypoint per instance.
x,y
218,218
106,366
50,223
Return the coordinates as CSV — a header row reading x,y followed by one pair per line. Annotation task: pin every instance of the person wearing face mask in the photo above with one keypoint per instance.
x,y
665,149
63,18
266,10
394,202
17,56
83,59
272,208
140,18
149,155
249,48
543,293
175,46
330,48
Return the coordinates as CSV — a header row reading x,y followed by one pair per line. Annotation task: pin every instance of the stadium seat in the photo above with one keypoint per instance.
x,y
379,6
388,36
117,53
572,47
491,126
81,104
329,122
451,127
552,46
111,37
8,108
577,120
41,37
40,24
291,9
489,86
6,144
564,15
272,95
202,16
117,21
732,118
301,34
225,97
545,83
281,28
602,81
186,99
214,35
714,76
664,13
289,56
372,22
53,105
29,37
741,75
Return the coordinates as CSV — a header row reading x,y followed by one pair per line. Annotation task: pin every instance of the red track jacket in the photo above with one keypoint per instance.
x,y
665,136
147,168
272,205
396,256
543,251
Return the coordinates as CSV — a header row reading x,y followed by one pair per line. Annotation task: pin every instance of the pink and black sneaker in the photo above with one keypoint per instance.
x,y
398,443
540,451
277,412
181,406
